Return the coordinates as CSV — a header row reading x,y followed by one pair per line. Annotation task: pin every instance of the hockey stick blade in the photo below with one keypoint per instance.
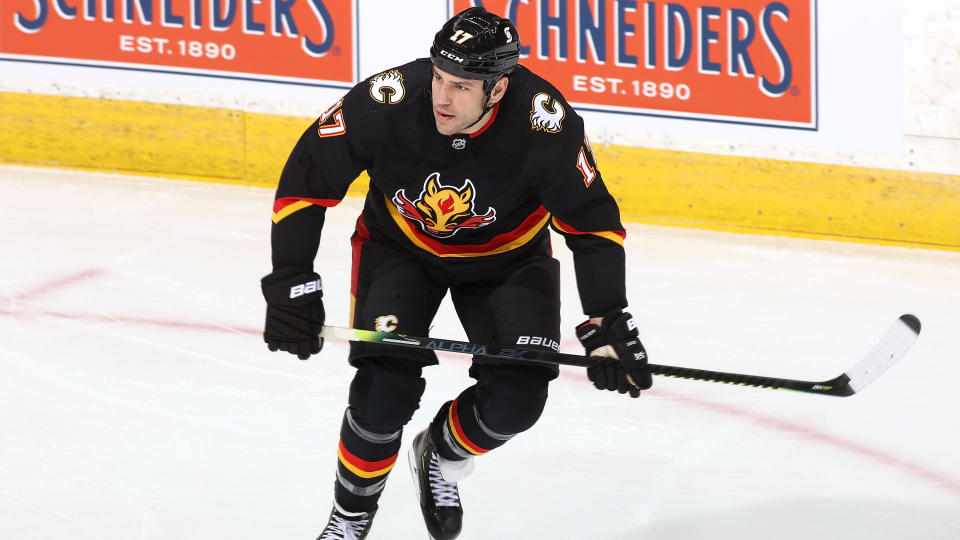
x,y
891,347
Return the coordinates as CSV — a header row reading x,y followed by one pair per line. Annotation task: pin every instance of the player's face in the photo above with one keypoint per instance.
x,y
457,103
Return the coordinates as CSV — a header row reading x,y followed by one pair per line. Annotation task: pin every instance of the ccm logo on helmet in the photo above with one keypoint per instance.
x,y
305,288
451,56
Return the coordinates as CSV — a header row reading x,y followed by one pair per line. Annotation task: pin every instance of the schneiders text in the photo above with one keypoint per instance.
x,y
253,17
669,36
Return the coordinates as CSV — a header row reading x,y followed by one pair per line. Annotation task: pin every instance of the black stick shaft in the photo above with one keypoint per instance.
x,y
836,387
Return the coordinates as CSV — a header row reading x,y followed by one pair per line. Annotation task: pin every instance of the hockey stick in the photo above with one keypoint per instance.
x,y
891,347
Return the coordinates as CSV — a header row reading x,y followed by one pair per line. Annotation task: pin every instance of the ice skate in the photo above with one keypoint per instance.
x,y
345,525
439,499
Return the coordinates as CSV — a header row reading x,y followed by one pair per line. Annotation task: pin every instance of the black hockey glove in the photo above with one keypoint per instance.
x,y
622,365
294,312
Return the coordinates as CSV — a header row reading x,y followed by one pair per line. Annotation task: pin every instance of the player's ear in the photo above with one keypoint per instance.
x,y
498,91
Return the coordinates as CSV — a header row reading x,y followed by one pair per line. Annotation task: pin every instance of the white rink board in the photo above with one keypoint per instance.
x,y
865,116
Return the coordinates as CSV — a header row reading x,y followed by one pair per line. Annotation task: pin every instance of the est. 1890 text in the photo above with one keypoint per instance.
x,y
183,47
647,89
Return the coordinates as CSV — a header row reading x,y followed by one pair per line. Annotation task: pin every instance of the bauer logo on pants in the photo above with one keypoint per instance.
x,y
538,341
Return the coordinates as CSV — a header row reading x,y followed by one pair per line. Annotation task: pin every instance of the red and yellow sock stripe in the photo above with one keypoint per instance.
x,y
364,468
456,429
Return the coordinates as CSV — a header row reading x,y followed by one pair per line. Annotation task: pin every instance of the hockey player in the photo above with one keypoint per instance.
x,y
470,158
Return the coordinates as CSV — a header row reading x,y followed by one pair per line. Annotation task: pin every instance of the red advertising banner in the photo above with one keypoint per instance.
x,y
740,61
312,41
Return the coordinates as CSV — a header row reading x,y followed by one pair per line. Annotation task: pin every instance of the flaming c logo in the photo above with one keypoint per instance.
x,y
443,210
387,87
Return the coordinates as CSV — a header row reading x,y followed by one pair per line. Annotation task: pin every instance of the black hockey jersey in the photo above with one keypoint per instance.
x,y
460,202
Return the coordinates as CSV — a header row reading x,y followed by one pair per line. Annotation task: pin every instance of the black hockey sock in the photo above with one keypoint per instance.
x,y
364,460
460,433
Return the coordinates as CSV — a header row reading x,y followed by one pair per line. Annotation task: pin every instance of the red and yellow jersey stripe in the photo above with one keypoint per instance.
x,y
285,206
616,237
501,243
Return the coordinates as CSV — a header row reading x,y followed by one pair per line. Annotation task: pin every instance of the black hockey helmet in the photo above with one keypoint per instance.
x,y
476,44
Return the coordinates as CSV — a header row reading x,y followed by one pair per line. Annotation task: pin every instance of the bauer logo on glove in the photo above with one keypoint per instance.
x,y
306,288
295,313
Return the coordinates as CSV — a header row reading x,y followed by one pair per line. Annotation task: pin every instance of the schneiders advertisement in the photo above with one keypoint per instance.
x,y
748,62
745,61
310,41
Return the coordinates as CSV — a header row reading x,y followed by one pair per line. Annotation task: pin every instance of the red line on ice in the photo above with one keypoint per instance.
x,y
57,284
811,434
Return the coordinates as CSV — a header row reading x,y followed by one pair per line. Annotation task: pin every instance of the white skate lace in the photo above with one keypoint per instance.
x,y
340,528
444,493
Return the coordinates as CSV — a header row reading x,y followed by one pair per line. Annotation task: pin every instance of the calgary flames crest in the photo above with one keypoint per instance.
x,y
443,210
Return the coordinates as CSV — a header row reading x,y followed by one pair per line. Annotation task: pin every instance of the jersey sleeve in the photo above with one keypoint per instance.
x,y
588,217
329,155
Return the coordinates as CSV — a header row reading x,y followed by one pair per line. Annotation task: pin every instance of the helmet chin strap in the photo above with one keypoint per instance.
x,y
486,103
486,109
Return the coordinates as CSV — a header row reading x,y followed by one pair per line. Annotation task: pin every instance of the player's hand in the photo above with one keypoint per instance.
x,y
295,312
622,363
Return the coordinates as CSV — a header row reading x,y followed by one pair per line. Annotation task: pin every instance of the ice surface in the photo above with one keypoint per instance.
x,y
139,402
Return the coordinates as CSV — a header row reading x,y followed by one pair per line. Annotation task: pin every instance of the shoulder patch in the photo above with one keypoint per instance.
x,y
387,87
546,114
